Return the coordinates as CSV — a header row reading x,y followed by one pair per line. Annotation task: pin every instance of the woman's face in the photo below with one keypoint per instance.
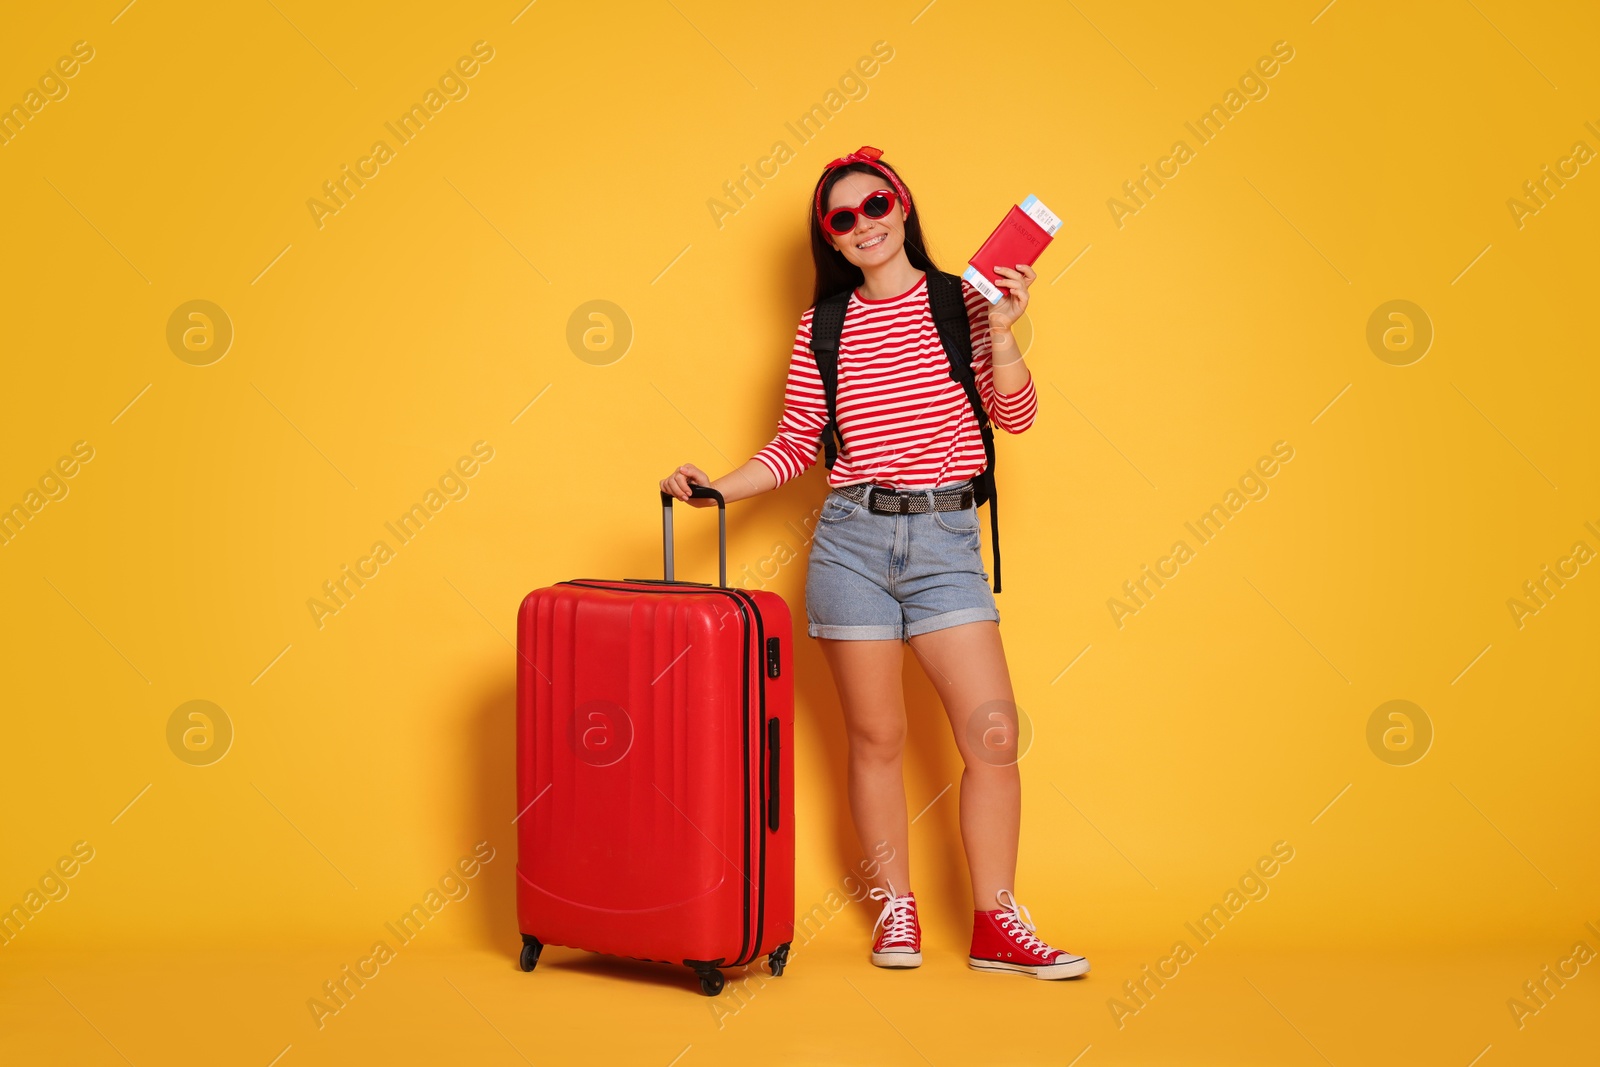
x,y
888,233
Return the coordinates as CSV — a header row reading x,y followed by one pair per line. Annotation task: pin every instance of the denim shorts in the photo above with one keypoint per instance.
x,y
875,577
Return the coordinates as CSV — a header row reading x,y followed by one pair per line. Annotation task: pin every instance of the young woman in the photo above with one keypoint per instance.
x,y
895,558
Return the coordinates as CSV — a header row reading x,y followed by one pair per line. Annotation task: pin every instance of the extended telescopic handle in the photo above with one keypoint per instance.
x,y
722,531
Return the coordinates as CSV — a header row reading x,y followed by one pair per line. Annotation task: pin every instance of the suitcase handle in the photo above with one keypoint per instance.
x,y
722,531
774,778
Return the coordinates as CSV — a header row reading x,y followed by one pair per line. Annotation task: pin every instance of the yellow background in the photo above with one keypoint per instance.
x,y
1230,312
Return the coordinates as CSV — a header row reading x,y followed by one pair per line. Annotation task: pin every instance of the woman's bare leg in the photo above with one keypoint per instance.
x,y
867,675
967,666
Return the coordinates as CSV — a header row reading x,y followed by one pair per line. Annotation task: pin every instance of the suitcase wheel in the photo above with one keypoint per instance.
x,y
711,980
777,958
530,952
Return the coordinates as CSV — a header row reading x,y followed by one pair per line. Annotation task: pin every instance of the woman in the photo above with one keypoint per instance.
x,y
880,578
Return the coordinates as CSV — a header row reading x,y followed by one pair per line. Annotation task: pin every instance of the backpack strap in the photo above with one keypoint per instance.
x,y
827,324
955,330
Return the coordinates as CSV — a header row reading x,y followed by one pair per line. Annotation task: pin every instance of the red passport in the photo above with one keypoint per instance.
x,y
1025,232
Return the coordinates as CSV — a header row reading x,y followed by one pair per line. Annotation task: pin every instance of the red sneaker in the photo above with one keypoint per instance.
x,y
1003,940
899,940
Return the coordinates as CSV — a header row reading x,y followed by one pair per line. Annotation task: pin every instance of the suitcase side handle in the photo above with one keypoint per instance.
x,y
774,777
722,531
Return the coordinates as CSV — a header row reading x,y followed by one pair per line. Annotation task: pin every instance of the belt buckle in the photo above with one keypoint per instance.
x,y
874,495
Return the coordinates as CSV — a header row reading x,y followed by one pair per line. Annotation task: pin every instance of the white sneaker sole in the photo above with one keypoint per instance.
x,y
897,959
1070,969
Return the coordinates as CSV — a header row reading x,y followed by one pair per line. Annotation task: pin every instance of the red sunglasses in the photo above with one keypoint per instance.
x,y
841,220
870,156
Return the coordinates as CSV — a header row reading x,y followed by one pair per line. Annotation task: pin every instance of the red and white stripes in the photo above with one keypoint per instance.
x,y
905,421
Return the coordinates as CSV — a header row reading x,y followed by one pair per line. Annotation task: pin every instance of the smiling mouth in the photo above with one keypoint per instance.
x,y
874,243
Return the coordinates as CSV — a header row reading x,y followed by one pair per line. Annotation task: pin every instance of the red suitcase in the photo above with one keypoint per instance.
x,y
655,786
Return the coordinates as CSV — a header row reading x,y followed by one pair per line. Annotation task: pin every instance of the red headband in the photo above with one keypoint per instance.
x,y
868,155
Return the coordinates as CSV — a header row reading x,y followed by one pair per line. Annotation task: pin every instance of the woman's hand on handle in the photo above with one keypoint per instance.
x,y
677,483
747,481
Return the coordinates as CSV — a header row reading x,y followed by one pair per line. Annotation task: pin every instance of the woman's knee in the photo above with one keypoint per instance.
x,y
882,740
992,764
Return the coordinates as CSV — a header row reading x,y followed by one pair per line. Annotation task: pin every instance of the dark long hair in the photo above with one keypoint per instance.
x,y
835,274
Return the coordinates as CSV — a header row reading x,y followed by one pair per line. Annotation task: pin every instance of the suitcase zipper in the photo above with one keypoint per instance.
x,y
750,949
761,694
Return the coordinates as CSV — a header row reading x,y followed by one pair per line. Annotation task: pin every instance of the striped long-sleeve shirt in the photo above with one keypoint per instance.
x,y
906,423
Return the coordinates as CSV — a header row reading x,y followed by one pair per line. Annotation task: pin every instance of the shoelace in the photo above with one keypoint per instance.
x,y
1018,923
898,916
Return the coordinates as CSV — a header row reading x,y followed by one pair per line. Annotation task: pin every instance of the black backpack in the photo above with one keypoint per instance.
x,y
950,315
